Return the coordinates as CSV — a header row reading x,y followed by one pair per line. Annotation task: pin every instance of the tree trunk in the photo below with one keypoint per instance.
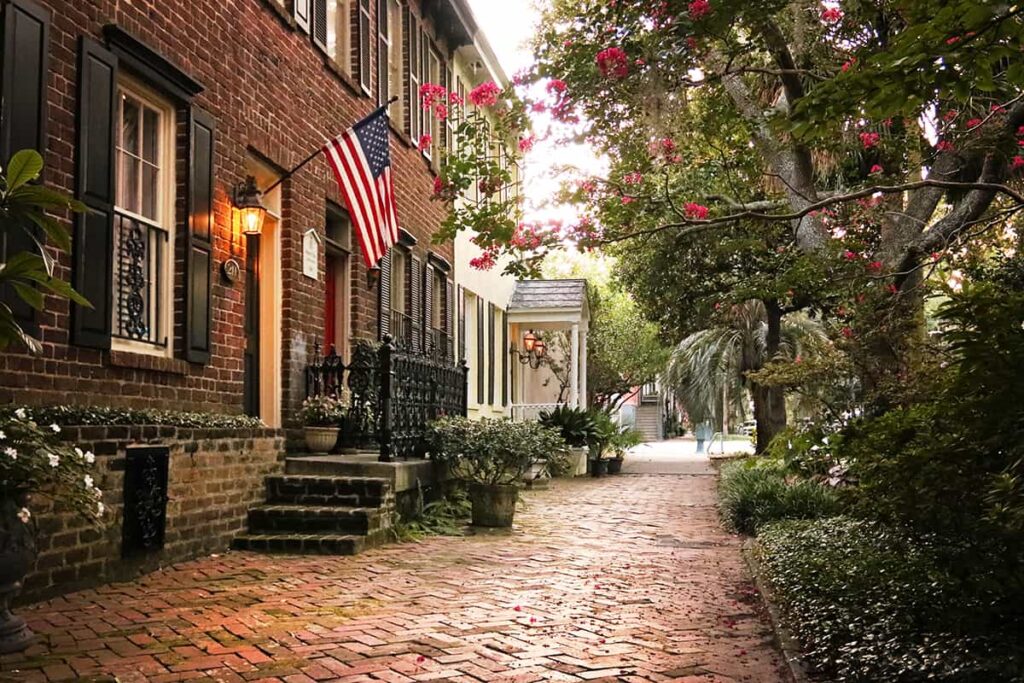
x,y
769,402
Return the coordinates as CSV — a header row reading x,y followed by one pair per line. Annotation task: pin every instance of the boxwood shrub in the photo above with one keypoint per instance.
x,y
871,603
70,416
754,492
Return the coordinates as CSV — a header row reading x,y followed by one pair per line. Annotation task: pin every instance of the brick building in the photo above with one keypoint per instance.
x,y
153,112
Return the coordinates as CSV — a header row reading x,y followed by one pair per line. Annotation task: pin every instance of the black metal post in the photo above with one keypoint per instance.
x,y
386,385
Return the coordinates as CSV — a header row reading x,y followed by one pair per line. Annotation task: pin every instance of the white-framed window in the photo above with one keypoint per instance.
x,y
399,276
143,221
432,124
339,33
396,80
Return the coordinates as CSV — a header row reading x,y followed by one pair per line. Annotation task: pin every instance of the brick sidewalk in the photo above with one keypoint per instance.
x,y
628,578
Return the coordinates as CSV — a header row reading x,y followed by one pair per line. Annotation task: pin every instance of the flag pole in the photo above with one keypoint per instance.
x,y
316,153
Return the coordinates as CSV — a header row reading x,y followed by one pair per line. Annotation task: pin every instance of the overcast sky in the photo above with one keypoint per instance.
x,y
508,24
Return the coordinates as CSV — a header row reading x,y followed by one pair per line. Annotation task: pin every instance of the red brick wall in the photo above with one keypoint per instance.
x,y
214,477
274,96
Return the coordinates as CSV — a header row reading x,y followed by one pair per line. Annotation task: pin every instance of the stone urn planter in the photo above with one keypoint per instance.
x,y
321,439
17,556
494,505
615,465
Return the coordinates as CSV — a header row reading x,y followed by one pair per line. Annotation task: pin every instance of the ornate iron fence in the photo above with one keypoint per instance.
x,y
393,393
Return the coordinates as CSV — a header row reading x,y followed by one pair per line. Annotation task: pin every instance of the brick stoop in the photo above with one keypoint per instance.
x,y
320,514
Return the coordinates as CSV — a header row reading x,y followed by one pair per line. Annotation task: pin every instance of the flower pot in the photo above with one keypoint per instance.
x,y
615,465
598,467
494,505
17,556
321,439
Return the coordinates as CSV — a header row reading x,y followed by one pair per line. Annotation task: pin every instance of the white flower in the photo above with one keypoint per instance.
x,y
97,493
88,481
2,435
54,460
89,457
78,452
10,452
825,440
56,428
24,515
99,509
20,413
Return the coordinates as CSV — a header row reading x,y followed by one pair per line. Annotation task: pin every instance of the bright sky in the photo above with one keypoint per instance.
x,y
509,25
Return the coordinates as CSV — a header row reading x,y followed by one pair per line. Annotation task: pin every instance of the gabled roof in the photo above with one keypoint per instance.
x,y
532,295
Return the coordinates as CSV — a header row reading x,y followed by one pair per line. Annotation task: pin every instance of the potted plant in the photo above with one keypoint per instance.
x,y
577,429
321,417
604,432
624,439
492,456
34,462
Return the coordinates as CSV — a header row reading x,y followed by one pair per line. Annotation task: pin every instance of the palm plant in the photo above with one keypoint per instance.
x,y
715,362
23,206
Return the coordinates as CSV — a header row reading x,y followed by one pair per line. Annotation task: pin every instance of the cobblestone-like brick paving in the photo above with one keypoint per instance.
x,y
628,578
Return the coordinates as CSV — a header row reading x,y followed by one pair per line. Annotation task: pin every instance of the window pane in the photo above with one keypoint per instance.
x,y
150,193
334,47
151,136
128,184
130,125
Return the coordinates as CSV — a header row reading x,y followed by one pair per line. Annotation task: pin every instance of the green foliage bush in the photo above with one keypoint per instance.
x,y
73,416
755,492
871,603
491,451
576,425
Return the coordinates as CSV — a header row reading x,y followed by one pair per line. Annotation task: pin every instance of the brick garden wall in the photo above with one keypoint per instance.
x,y
274,97
214,476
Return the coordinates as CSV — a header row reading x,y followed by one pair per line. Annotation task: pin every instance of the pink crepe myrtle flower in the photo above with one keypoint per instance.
x,y
556,85
626,199
612,62
698,9
431,93
870,140
440,110
526,144
1017,162
485,261
485,94
950,115
538,107
848,64
875,266
944,146
877,168
424,143
695,211
634,178
850,255
974,123
892,289
831,15
847,332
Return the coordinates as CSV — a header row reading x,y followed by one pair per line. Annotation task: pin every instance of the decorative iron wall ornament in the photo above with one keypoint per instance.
x,y
145,499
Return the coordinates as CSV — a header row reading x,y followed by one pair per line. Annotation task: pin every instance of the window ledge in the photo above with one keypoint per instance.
x,y
282,13
402,136
339,72
145,361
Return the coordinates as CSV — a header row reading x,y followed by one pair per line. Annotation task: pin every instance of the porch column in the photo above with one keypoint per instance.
x,y
583,368
574,368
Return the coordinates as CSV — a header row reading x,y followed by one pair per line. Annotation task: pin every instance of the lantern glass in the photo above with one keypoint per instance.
x,y
251,211
252,219
529,341
539,347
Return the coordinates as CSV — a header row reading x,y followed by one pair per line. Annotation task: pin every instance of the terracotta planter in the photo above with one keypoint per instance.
x,y
598,467
321,439
17,556
493,505
615,465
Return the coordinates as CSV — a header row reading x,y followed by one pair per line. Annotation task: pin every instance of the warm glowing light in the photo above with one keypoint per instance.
x,y
530,340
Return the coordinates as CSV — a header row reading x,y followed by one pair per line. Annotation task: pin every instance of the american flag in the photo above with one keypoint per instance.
x,y
362,166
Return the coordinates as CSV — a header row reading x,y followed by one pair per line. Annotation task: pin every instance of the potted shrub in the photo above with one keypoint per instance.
x,y
321,417
577,429
33,462
492,456
604,433
624,439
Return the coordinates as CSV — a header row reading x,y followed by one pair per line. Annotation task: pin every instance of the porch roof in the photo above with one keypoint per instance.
x,y
549,295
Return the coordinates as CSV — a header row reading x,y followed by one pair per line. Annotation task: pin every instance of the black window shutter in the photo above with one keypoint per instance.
x,y
26,29
364,45
199,256
300,9
449,295
384,296
504,358
416,301
461,300
479,350
92,268
317,22
428,304
490,353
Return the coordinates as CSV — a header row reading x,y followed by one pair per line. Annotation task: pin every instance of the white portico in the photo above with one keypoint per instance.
x,y
553,315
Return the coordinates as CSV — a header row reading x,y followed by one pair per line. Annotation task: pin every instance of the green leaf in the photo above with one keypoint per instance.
x,y
53,229
24,167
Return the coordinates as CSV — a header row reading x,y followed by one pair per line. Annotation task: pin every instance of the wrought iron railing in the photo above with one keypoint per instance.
x,y
140,250
404,331
440,344
357,384
522,412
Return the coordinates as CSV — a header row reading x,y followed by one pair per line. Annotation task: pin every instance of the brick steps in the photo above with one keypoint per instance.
x,y
319,514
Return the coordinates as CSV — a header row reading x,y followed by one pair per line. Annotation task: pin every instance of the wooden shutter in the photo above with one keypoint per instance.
x,y
461,302
416,301
92,267
384,296
301,12
428,305
479,350
491,358
449,295
318,23
383,49
26,29
412,72
504,350
199,256
365,41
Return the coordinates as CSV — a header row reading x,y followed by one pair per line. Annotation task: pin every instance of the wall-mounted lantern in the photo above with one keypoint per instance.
x,y
250,209
533,351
